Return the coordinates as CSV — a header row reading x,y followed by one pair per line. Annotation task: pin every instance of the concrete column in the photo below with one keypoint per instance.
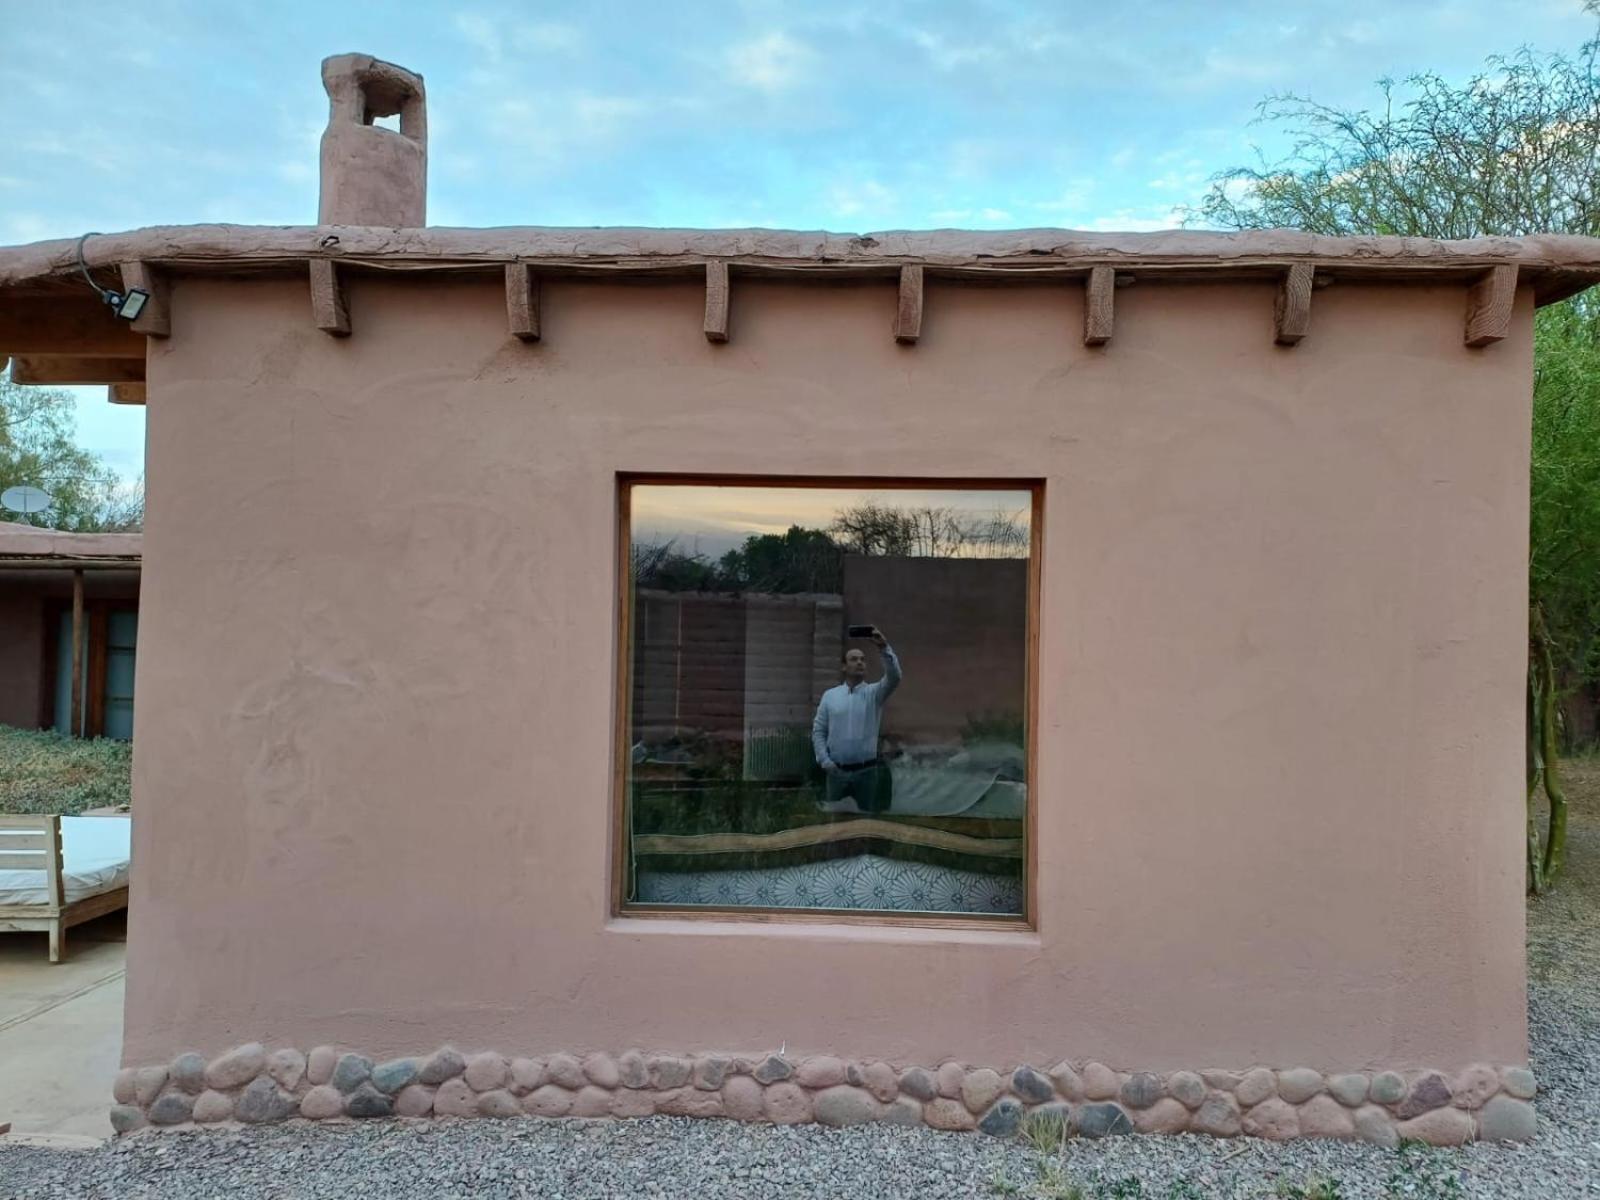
x,y
372,175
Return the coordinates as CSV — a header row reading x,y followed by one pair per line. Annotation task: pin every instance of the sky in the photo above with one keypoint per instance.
x,y
818,115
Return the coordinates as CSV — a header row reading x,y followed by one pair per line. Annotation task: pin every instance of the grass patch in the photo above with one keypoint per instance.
x,y
45,772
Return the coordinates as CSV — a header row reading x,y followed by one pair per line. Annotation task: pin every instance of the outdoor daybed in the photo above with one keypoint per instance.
x,y
57,872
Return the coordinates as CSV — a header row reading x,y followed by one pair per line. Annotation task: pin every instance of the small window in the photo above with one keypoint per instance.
x,y
827,697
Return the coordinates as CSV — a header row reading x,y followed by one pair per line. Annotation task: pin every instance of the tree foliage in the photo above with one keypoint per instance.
x,y
38,447
1514,150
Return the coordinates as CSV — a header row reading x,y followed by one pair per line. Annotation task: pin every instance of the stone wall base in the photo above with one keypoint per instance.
x,y
254,1085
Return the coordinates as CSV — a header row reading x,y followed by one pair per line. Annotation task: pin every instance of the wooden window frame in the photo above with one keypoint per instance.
x,y
96,639
620,908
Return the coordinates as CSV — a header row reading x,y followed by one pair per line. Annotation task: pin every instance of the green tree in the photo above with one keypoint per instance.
x,y
38,447
798,560
1513,150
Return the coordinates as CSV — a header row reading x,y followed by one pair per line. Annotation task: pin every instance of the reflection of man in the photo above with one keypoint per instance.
x,y
844,733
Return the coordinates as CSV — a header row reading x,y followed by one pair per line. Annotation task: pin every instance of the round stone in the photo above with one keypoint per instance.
x,y
287,1067
710,1071
1473,1087
1067,1080
487,1072
919,1083
1325,1117
1386,1088
1141,1090
455,1099
321,1102
499,1103
1519,1082
1506,1119
1100,1082
147,1084
413,1101
395,1075
1440,1127
1299,1084
879,1079
904,1111
949,1077
351,1071
125,1118
526,1074
1349,1090
787,1104
666,1072
637,1102
188,1071
1166,1115
1222,1081
817,1073
689,1102
773,1069
368,1101
210,1107
320,1063
1273,1118
980,1089
1032,1086
843,1105
442,1064
172,1108
741,1098
1004,1119
123,1088
237,1067
591,1101
1101,1120
263,1103
547,1101
1427,1093
1187,1088
945,1113
1374,1125
1218,1116
634,1070
1256,1086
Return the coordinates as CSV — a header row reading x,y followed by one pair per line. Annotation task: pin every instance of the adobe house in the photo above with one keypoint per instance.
x,y
383,745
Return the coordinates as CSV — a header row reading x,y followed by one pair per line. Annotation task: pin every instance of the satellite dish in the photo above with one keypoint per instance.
x,y
25,500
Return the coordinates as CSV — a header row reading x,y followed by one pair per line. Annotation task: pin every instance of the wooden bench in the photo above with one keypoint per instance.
x,y
34,844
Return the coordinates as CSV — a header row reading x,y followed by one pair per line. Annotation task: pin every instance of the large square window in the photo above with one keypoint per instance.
x,y
826,701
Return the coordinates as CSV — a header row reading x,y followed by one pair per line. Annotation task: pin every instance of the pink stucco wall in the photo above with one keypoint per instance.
x,y
377,655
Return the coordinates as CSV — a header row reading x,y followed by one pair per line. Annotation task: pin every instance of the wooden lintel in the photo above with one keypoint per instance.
x,y
155,320
84,328
328,308
1292,312
522,301
908,316
1099,305
126,393
1489,304
716,301
58,369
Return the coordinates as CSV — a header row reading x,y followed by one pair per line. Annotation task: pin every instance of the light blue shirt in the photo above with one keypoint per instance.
x,y
845,729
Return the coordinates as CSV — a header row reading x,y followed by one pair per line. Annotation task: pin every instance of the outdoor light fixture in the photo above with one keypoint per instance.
x,y
127,305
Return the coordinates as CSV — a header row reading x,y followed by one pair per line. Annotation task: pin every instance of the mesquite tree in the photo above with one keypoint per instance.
x,y
1513,150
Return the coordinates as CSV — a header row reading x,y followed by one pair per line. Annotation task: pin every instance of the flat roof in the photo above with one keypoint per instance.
x,y
29,546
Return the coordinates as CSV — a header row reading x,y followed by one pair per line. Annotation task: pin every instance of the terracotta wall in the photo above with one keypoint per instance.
x,y
1280,698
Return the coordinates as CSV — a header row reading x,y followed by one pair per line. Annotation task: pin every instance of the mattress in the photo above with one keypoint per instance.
x,y
94,853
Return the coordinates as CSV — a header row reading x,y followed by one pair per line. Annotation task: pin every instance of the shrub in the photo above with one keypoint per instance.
x,y
46,772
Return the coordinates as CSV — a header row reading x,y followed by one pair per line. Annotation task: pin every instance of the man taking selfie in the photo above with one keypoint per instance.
x,y
844,733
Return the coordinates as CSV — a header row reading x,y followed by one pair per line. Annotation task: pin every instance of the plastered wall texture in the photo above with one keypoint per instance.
x,y
378,648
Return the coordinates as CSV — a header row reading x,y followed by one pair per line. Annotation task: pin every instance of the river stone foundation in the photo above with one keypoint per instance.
x,y
248,1084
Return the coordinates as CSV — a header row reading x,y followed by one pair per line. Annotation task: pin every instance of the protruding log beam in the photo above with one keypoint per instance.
x,y
716,301
54,369
83,328
155,319
1292,313
328,308
1489,304
522,301
1099,305
908,316
126,393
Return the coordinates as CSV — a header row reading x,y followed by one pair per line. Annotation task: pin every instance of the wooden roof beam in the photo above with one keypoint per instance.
x,y
1489,305
1099,305
155,319
1292,312
62,369
908,315
328,308
716,325
126,393
84,328
522,301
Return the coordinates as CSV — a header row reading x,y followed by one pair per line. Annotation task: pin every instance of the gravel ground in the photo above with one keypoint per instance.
x,y
710,1160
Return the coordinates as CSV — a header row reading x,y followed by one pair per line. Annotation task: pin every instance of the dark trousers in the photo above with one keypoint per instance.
x,y
868,784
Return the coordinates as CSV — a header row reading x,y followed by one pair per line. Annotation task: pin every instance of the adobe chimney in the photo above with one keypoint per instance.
x,y
372,175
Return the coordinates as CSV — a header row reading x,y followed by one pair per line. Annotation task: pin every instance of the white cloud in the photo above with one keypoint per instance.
x,y
851,199
771,63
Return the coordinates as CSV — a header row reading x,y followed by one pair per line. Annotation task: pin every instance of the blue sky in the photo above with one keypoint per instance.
x,y
801,115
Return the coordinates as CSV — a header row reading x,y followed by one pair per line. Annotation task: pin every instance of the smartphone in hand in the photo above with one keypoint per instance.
x,y
860,631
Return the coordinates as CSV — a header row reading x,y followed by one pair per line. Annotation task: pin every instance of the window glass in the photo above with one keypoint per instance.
x,y
827,697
